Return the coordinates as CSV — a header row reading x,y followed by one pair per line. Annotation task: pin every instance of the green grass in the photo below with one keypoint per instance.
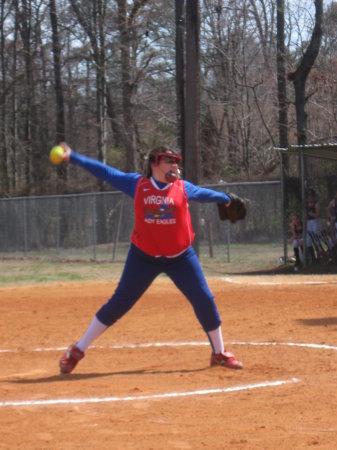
x,y
242,258
38,268
32,271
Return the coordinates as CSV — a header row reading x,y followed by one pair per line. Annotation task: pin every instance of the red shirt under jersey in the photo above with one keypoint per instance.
x,y
163,224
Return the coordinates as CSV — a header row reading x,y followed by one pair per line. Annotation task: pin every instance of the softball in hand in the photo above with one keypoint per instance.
x,y
56,154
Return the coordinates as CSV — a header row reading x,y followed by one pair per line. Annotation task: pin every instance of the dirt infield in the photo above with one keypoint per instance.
x,y
147,383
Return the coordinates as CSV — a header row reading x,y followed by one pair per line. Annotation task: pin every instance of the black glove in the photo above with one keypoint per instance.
x,y
235,211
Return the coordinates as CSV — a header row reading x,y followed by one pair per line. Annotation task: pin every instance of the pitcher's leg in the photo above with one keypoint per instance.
x,y
138,274
188,276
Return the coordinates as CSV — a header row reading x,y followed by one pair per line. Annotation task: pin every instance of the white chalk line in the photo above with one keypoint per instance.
x,y
165,395
278,283
289,344
168,395
177,344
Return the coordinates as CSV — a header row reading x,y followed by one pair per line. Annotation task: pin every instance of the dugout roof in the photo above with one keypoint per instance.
x,y
325,151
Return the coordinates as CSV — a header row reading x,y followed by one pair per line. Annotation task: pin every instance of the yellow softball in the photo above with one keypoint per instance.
x,y
56,154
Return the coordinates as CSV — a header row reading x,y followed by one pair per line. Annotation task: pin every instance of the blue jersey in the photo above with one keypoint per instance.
x,y
126,182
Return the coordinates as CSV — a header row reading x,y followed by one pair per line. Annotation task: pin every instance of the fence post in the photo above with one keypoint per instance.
x,y
25,232
228,241
94,238
210,238
118,227
284,210
304,215
58,226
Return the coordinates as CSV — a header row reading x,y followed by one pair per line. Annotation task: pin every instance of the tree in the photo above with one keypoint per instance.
x,y
264,16
281,77
92,19
239,124
323,111
34,125
59,96
126,24
104,72
300,75
60,121
4,179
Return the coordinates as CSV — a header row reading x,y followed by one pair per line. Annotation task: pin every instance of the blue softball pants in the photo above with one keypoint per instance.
x,y
139,272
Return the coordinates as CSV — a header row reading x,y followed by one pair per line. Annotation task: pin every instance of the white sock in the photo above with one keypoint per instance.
x,y
215,337
95,329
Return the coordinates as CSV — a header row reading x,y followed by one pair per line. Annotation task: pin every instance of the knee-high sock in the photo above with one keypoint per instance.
x,y
95,329
215,338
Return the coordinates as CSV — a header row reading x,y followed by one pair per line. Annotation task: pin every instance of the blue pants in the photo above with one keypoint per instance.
x,y
139,272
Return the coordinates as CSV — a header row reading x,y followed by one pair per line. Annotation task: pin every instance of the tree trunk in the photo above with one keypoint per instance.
x,y
14,149
299,77
25,20
281,77
60,118
4,178
94,28
127,87
101,85
60,121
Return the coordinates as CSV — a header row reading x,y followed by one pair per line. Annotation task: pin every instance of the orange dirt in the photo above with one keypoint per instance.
x,y
297,415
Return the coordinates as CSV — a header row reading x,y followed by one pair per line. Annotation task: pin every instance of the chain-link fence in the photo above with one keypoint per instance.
x,y
312,167
98,226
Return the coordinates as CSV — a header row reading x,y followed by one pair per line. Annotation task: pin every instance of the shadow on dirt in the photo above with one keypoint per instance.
x,y
288,269
319,322
88,376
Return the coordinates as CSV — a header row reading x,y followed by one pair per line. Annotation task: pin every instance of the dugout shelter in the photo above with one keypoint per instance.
x,y
305,167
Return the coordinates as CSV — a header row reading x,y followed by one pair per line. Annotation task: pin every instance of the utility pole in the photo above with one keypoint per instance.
x,y
192,106
180,74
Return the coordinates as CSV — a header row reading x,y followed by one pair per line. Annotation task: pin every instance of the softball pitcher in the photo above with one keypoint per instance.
x,y
161,242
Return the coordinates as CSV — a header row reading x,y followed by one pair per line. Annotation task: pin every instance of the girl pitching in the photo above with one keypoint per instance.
x,y
161,242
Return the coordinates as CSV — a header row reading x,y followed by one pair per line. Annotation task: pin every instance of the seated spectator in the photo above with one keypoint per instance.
x,y
314,225
296,228
332,216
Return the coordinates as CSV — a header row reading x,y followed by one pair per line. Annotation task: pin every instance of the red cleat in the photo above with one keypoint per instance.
x,y
70,359
225,359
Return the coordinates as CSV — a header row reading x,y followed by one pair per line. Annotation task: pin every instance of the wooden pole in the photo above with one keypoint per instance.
x,y
180,75
192,106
